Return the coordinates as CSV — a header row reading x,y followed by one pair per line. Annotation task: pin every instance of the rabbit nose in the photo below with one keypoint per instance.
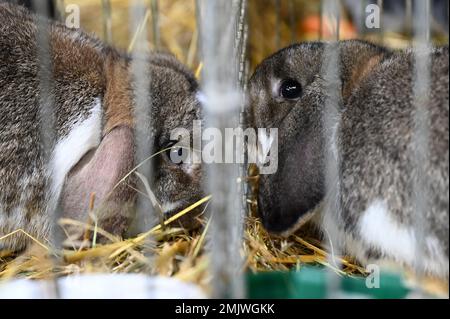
x,y
279,221
277,215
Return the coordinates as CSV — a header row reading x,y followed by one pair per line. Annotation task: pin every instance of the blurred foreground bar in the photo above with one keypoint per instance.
x,y
222,108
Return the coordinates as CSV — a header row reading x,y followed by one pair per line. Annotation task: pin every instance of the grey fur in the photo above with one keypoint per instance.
x,y
80,75
374,140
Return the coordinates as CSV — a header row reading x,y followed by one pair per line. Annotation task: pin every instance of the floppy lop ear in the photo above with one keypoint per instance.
x,y
100,170
99,173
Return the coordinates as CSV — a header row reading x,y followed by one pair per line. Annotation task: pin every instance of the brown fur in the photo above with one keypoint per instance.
x,y
118,97
67,55
359,73
84,72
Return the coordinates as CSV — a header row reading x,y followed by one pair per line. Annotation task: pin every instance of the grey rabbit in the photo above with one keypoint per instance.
x,y
94,144
375,221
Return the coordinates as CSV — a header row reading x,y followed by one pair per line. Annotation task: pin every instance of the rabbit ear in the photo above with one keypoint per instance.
x,y
100,172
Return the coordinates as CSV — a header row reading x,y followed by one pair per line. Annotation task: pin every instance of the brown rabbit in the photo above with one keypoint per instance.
x,y
94,143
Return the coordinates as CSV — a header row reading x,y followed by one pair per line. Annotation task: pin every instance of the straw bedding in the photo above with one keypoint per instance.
x,y
171,250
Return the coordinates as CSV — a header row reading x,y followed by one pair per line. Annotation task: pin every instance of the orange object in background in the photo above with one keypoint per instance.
x,y
310,28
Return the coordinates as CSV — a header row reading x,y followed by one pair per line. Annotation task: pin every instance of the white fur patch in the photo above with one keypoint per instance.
x,y
378,229
169,206
193,164
190,169
84,136
265,144
276,84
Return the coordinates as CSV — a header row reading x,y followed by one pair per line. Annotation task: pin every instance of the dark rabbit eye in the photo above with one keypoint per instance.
x,y
290,89
176,154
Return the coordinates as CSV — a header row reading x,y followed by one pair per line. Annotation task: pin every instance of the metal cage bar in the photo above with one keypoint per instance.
x,y
381,31
47,125
148,210
331,118
224,50
107,21
278,24
241,55
155,24
222,109
421,134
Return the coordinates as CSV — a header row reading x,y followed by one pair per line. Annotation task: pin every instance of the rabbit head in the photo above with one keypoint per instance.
x,y
172,105
287,92
177,179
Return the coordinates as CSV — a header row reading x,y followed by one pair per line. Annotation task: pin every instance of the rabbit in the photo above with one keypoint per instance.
x,y
372,216
94,143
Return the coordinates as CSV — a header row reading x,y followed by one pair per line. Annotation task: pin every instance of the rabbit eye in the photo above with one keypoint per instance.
x,y
290,89
177,154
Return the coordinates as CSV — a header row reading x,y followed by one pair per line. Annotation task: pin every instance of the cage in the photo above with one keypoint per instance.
x,y
231,255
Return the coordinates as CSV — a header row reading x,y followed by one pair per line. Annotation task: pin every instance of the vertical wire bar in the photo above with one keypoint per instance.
x,y
244,73
330,19
408,17
362,19
448,18
47,122
221,109
45,66
321,20
140,83
359,20
380,4
337,36
240,7
241,50
278,24
59,10
331,120
107,21
240,23
155,24
198,17
321,26
447,11
421,134
292,20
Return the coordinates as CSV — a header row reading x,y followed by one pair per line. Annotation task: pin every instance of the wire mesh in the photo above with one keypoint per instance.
x,y
223,33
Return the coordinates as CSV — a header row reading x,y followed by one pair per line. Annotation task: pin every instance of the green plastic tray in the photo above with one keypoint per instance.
x,y
318,283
